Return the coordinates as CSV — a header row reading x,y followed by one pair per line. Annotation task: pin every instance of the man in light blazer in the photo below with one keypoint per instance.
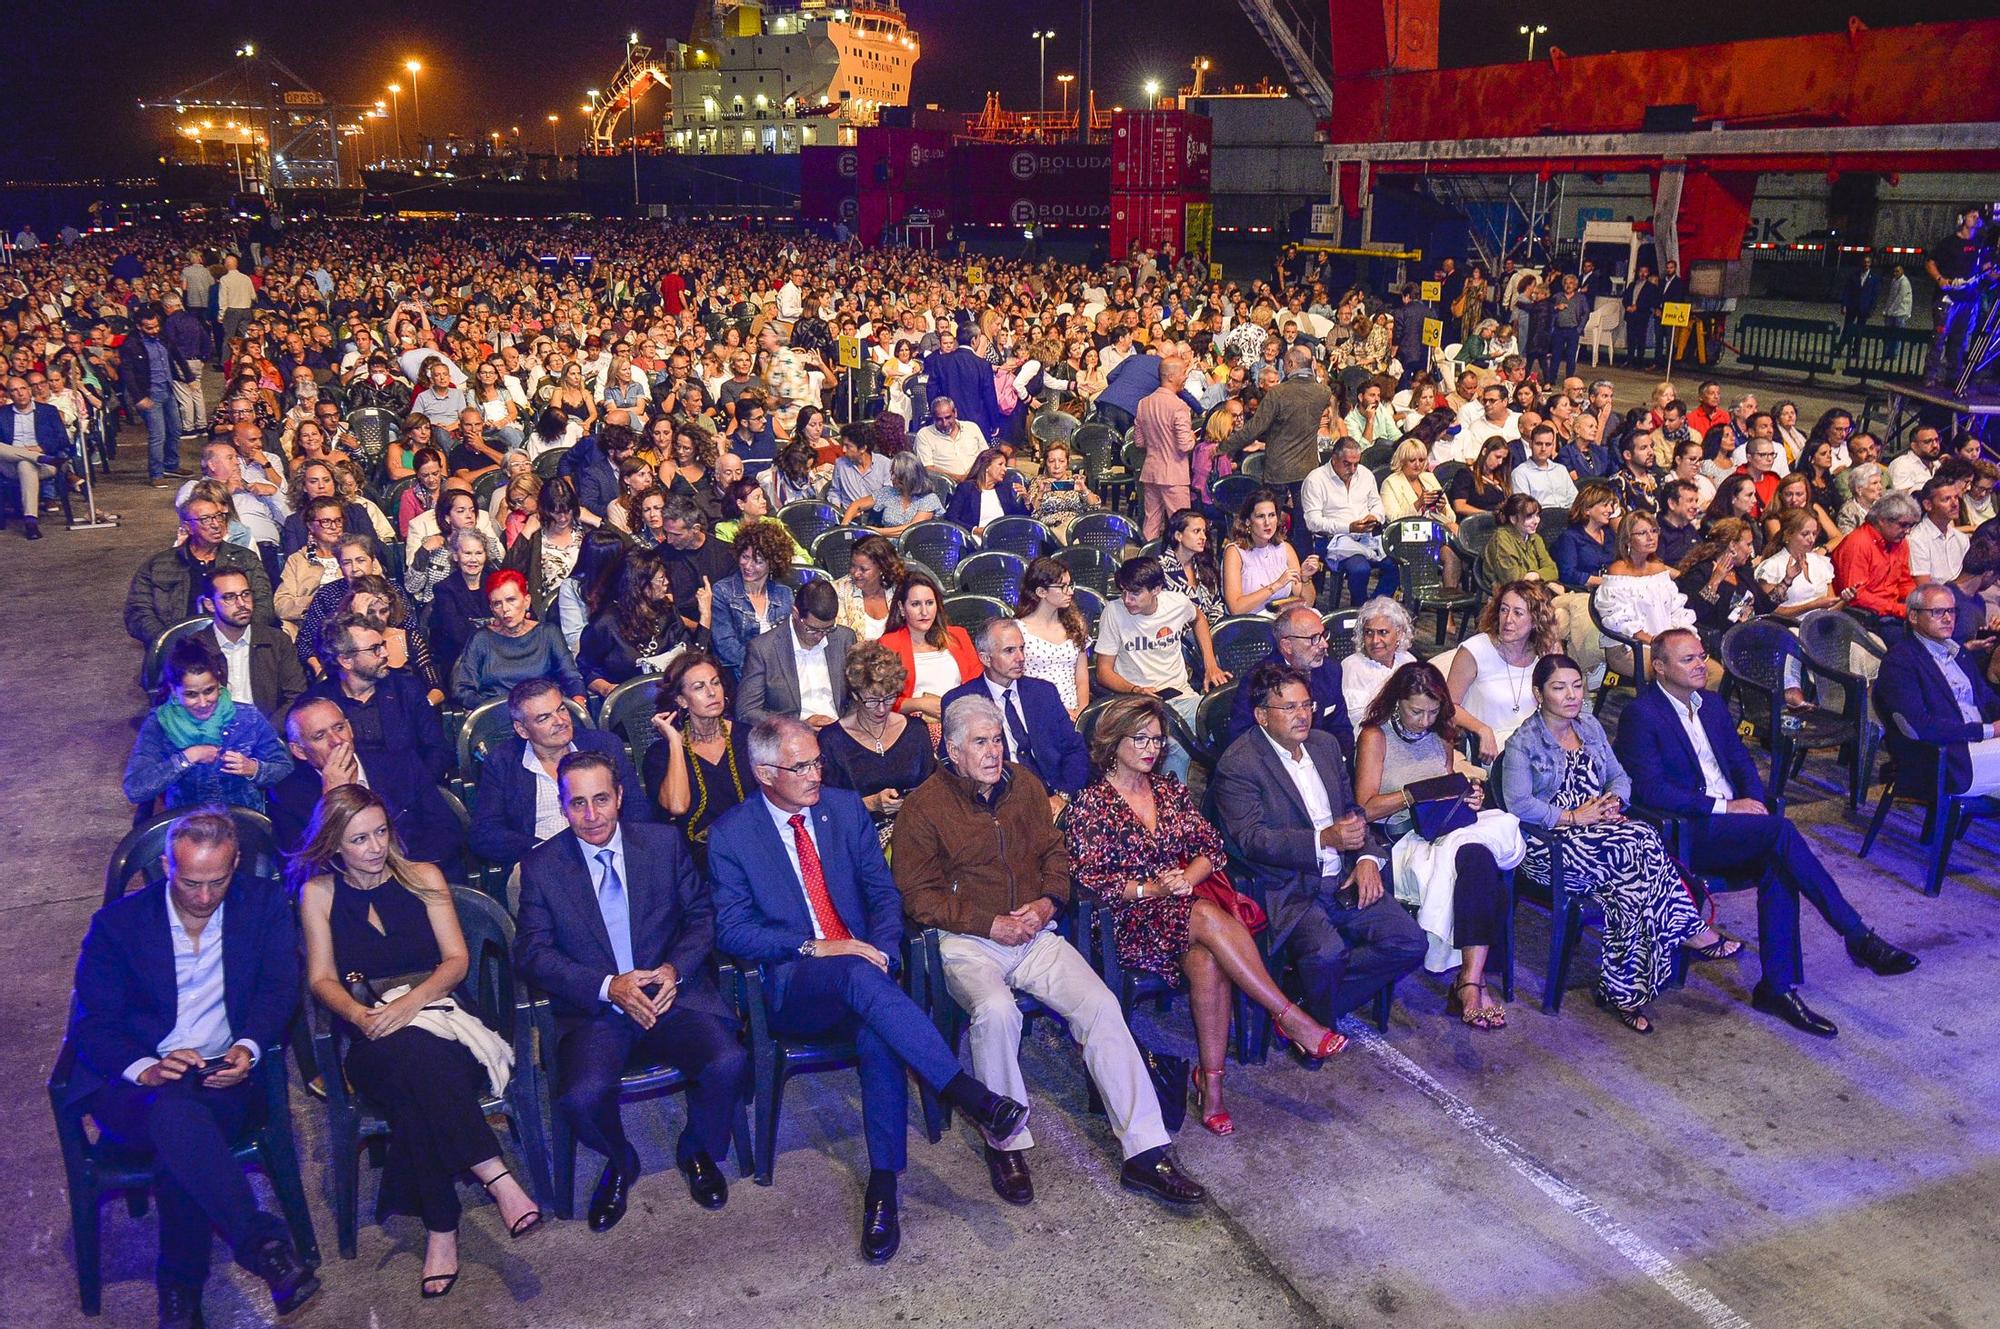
x,y
615,925
1285,801
802,890
800,671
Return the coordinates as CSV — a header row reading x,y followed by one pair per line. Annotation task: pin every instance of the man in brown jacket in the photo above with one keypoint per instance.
x,y
977,856
1287,421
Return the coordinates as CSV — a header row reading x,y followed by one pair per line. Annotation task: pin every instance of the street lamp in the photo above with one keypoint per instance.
x,y
1152,91
1532,32
396,109
554,147
1065,80
1042,40
416,112
632,97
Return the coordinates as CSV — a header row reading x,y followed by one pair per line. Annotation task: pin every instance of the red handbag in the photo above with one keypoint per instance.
x,y
1218,890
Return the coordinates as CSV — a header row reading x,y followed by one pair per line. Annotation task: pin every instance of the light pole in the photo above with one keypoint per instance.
x,y
416,112
555,148
396,109
1042,40
1064,80
632,97
1152,93
1083,93
1531,32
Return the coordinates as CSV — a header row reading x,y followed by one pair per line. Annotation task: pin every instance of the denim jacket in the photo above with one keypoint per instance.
x,y
156,766
1533,768
735,621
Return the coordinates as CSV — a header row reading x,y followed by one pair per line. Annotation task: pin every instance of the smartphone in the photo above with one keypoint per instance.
x,y
210,1067
1062,486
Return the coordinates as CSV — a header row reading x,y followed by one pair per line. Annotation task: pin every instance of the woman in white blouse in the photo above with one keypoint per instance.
x,y
1637,597
1799,578
1492,673
1384,633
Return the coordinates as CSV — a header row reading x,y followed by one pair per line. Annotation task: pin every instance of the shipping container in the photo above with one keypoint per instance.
x,y
827,180
917,160
1060,173
880,210
1149,221
1161,152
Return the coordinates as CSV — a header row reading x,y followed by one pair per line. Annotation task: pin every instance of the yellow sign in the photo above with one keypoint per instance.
x,y
1215,272
1674,314
850,352
1433,332
1433,290
1198,228
975,275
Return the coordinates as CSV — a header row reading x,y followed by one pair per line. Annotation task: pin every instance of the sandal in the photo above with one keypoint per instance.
x,y
1332,1043
1474,1016
1722,948
429,1293
523,1225
1632,1017
1215,1123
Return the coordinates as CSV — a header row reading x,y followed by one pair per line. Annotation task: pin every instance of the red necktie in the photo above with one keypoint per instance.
x,y
821,902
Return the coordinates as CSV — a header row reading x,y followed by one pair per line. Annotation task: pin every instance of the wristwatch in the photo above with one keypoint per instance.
x,y
809,948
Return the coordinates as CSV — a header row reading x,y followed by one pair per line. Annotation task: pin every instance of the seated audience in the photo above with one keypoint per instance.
x,y
1341,505
387,707
1302,645
753,599
1055,636
1585,548
1141,645
936,655
1717,580
198,747
874,571
986,495
638,630
701,767
458,602
799,670
512,648
325,758
1491,671
1189,562
876,751
263,667
167,588
1383,636
1638,597
1930,684
1038,730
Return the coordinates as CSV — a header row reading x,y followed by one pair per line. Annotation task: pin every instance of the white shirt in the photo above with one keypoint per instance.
x,y
1714,783
783,820
815,677
236,655
1312,791
201,1016
1937,554
999,692
953,453
1332,505
1910,472
549,819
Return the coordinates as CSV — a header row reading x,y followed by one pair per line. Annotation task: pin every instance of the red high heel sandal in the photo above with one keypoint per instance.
x,y
1215,1123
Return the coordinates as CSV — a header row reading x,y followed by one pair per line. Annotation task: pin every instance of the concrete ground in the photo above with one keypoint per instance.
x,y
1725,1172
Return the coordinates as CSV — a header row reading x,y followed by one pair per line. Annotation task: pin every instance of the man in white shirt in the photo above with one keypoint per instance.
x,y
1492,419
1343,505
235,296
1937,546
1908,472
1541,477
258,503
948,446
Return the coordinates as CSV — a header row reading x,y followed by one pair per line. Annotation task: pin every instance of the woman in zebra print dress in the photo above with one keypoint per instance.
x,y
1559,771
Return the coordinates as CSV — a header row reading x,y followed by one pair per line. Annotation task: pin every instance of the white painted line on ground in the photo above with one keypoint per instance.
x,y
1629,1244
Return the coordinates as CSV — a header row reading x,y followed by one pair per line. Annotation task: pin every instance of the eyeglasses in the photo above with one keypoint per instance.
x,y
1287,707
1146,742
876,703
210,519
1319,636
812,767
235,597
813,631
1947,611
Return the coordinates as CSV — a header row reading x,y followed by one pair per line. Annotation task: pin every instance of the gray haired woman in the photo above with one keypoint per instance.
x,y
1383,632
1865,482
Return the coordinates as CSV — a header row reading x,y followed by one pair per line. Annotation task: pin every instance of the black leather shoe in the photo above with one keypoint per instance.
x,y
1792,1009
1161,1178
292,1281
607,1202
705,1182
180,1308
1871,952
1002,1118
881,1231
1009,1170
31,528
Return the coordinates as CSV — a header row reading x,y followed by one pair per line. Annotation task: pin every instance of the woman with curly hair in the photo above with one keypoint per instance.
x,y
376,599
875,750
1491,678
874,571
753,599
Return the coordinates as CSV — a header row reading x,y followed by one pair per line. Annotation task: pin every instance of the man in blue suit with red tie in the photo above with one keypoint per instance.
x,y
802,889
181,989
1694,765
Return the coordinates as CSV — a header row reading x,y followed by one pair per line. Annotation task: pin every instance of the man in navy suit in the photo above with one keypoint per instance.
x,y
320,737
1931,684
616,927
802,889
1694,765
517,804
181,989
31,436
1040,734
1302,646
1130,382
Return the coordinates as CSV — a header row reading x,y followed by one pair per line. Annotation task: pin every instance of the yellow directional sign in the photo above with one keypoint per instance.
x,y
1433,290
1433,332
1215,272
1674,314
975,275
850,352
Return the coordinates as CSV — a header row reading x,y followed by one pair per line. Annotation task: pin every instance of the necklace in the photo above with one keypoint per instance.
x,y
1517,678
877,739
697,734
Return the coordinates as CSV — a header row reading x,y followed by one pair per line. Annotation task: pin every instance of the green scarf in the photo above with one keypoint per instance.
x,y
184,731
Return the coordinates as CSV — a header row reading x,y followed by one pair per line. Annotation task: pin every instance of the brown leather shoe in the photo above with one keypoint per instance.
x,y
1158,1175
1009,1170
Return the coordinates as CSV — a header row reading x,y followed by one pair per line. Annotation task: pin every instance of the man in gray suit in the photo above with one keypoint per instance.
x,y
1284,799
800,670
1287,421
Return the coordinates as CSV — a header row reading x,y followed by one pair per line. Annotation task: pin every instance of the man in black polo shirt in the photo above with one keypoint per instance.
x,y
691,555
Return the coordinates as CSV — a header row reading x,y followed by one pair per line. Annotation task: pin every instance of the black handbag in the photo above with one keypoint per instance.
x,y
1439,806
368,991
1170,1081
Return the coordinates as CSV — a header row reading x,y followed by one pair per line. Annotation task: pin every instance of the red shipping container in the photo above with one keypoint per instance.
x,y
827,179
1161,152
1028,210
915,160
1065,173
1148,221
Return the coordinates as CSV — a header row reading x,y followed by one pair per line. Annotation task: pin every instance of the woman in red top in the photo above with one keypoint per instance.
x,y
936,656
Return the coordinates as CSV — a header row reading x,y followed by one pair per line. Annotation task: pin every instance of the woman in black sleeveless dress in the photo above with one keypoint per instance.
x,y
369,913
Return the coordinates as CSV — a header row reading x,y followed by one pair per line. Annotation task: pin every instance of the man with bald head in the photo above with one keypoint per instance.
x,y
1302,645
321,740
1165,429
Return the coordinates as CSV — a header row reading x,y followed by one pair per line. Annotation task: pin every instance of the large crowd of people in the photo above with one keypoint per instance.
x,y
526,468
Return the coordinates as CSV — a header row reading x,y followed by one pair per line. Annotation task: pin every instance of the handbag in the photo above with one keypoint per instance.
x,y
1169,1075
368,991
1220,891
1439,806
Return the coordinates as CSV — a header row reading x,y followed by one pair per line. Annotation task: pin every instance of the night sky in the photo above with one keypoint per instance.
x,y
67,95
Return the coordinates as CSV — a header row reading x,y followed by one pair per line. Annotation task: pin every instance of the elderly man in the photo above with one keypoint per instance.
x,y
1287,803
1873,563
1302,645
322,745
32,438
1287,423
517,804
965,376
182,988
802,889
995,898
167,588
1931,684
948,446
1342,505
1040,735
1164,428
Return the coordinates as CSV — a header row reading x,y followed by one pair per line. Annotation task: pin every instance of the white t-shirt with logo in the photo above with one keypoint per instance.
x,y
1149,648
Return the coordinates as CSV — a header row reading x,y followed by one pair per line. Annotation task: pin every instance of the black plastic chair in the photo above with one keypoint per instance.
x,y
152,672
628,712
940,546
969,610
1053,427
486,726
1106,532
549,463
1088,602
486,486
1755,656
1416,546
142,851
1242,641
1091,569
1916,772
1022,536
94,1169
1569,911
374,429
488,992
1211,718
1229,494
775,1059
1343,634
808,519
993,572
833,549
1613,679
